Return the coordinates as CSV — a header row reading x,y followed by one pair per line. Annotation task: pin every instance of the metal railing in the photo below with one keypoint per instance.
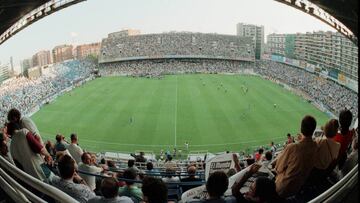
x,y
339,189
20,194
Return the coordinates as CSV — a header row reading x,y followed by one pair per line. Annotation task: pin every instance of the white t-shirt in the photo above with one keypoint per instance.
x,y
27,123
89,179
75,152
21,152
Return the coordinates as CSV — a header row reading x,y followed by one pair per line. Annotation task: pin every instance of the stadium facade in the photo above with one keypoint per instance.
x,y
329,51
256,33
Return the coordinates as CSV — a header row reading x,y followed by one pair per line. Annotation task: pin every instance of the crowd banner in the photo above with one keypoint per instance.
x,y
223,162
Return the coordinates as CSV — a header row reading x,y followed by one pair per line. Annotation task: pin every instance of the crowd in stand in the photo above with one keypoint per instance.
x,y
177,44
157,68
327,92
25,94
304,165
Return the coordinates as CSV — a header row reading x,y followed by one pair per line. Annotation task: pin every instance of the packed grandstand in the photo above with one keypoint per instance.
x,y
162,177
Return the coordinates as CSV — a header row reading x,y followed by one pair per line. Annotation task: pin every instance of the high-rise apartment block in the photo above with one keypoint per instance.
x,y
254,31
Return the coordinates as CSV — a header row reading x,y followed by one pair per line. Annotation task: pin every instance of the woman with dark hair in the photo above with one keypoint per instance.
x,y
345,136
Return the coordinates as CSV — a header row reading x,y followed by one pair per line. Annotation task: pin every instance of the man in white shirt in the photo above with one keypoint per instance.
x,y
86,166
74,149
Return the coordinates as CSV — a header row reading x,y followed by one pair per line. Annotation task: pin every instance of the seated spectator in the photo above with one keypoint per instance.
x,y
170,163
216,186
296,161
267,159
61,144
74,148
140,158
86,166
170,176
352,159
345,136
290,139
154,190
110,193
259,155
130,190
131,166
66,166
262,190
191,178
27,151
50,148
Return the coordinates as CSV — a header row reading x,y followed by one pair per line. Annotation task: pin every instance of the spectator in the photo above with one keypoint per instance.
x,y
345,136
267,159
328,149
130,190
140,158
110,193
50,148
154,190
216,186
352,159
262,190
131,166
296,161
86,166
27,151
4,149
80,192
170,163
61,144
259,155
74,148
170,176
272,148
14,116
290,139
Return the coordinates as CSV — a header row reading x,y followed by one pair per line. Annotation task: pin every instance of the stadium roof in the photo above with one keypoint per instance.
x,y
11,11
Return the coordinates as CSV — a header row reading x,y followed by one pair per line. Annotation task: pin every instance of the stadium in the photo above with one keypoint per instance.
x,y
175,116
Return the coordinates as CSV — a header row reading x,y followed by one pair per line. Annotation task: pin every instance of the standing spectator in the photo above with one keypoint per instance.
x,y
110,193
296,161
27,151
87,167
80,192
140,158
154,190
74,148
328,149
14,116
130,190
345,136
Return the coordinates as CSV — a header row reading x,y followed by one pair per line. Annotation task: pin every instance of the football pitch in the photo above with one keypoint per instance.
x,y
211,112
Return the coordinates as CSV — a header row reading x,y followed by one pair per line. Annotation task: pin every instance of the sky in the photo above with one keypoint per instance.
x,y
91,21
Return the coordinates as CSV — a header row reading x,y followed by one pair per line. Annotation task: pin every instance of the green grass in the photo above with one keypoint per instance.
x,y
174,110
